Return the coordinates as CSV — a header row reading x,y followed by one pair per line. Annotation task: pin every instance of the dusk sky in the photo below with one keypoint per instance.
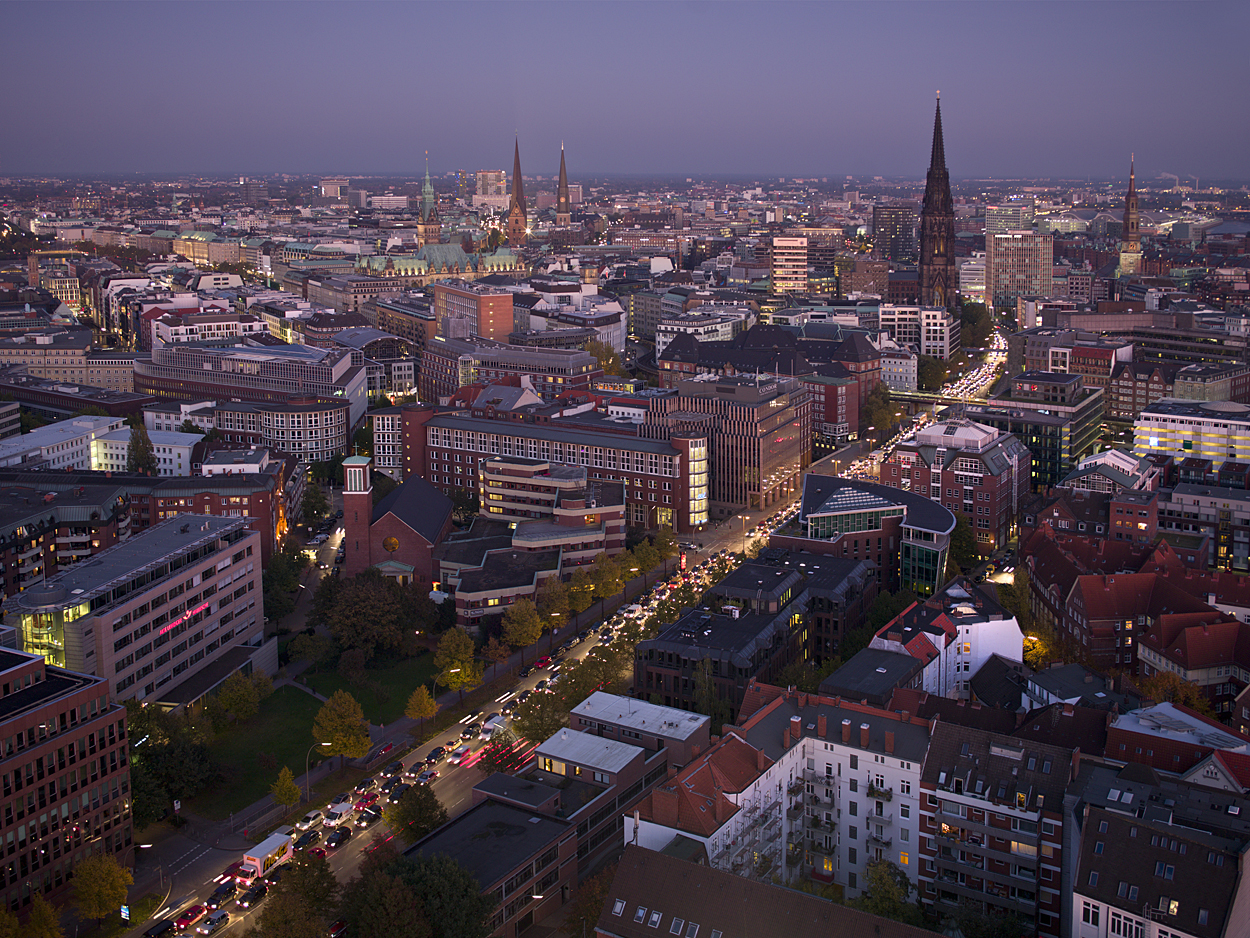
x,y
806,89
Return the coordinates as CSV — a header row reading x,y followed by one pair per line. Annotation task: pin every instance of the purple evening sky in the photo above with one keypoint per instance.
x,y
1028,89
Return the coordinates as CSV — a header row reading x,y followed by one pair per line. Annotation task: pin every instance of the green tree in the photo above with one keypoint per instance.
x,y
383,906
521,625
963,549
495,651
44,920
421,706
886,889
930,373
464,504
189,426
263,684
975,326
645,557
310,878
552,601
540,717
501,754
285,914
147,796
372,612
341,723
284,790
1166,687
582,912
314,505
362,443
581,586
383,485
454,903
877,415
417,812
142,455
609,359
10,927
315,648
605,572
100,886
238,694
665,543
455,651
707,695
973,921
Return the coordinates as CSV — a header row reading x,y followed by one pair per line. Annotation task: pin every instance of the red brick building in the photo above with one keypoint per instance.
x,y
1137,385
488,309
1169,737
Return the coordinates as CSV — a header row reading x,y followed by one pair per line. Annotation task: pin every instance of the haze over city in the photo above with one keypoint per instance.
x,y
1031,89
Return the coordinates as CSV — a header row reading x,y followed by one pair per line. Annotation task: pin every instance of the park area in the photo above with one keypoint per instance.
x,y
383,693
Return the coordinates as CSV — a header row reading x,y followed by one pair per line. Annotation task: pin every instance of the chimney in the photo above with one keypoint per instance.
x,y
802,700
761,760
785,737
1068,710
672,771
796,728
905,716
822,725
846,731
889,741
863,735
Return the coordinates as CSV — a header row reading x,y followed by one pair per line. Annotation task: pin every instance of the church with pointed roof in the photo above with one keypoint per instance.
x,y
1130,240
517,227
938,278
564,214
430,226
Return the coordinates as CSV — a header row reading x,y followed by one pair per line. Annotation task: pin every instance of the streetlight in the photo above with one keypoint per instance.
x,y
744,533
307,782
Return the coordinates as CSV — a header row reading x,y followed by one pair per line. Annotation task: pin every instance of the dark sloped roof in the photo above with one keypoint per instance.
x,y
419,505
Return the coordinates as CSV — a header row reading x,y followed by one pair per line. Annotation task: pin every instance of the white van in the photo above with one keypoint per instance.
x,y
632,611
339,814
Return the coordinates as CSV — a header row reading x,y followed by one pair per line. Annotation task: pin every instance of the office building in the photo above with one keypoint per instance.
x,y
894,231
165,617
788,265
976,471
66,444
930,330
57,400
484,311
1014,215
59,725
55,354
1214,430
175,452
309,428
449,364
1017,263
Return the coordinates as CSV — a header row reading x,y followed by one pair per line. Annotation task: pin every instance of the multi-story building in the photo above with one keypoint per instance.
x,y
704,326
788,265
174,452
66,444
931,330
387,425
310,428
1017,263
409,316
894,231
449,364
900,369
58,355
992,828
989,468
1054,415
195,326
111,368
262,375
347,293
179,601
1016,215
646,725
835,408
1215,656
390,362
487,310
62,726
1137,385
1172,738
1214,430
1229,381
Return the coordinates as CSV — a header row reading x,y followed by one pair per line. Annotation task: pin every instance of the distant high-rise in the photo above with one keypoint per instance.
x,y
1015,215
1018,263
563,208
788,265
894,231
1130,240
518,223
938,281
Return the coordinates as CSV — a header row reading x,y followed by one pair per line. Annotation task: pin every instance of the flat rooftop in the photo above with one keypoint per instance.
x,y
640,715
110,568
1166,721
594,752
491,840
56,683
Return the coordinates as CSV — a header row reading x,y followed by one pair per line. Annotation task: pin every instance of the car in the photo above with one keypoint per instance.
x,y
542,685
338,838
383,750
218,920
390,783
458,755
525,672
368,818
395,768
523,696
226,893
339,513
229,873
274,876
310,820
308,839
490,716
252,897
427,776
339,558
189,916
605,639
337,930
342,797
569,643
367,801
398,792
322,565
584,634
365,785
336,571
319,852
510,707
473,729
543,662
161,929
437,754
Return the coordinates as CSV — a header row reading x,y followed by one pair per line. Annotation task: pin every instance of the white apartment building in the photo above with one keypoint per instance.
x,y
64,445
931,330
788,265
388,426
110,451
972,278
172,328
900,369
833,786
703,326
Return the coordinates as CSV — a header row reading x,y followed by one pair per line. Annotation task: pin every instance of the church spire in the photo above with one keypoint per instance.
x,y
518,223
563,209
937,158
427,191
1130,241
938,284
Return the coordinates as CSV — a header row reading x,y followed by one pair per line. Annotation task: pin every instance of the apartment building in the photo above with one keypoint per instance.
x,y
931,330
1018,262
976,471
66,444
179,601
174,452
1137,385
788,265
111,368
64,775
1214,430
195,326
449,364
58,355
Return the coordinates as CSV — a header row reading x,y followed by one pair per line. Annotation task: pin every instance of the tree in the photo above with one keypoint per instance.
x,y
341,723
465,504
142,455
501,754
383,485
263,684
44,920
963,549
583,910
975,326
284,914
421,706
383,906
974,921
372,612
876,416
886,888
453,655
665,543
540,717
100,885
605,572
314,505
930,373
887,607
581,585
315,648
495,651
417,812
1172,688
609,359
310,878
707,695
10,927
239,696
188,426
552,601
285,792
454,903
521,625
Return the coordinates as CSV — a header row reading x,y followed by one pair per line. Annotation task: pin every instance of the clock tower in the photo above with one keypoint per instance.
x,y
357,513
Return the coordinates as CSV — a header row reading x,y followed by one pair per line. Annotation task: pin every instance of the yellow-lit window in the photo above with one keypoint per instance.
x,y
904,858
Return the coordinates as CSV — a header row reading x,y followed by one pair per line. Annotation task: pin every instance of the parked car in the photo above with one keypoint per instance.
x,y
543,662
525,671
252,897
228,892
318,852
337,930
189,916
217,920
338,838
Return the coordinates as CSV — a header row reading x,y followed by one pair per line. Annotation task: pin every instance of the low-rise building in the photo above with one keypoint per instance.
x,y
66,444
683,735
175,452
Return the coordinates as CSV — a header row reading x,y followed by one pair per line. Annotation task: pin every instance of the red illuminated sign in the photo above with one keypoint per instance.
x,y
184,617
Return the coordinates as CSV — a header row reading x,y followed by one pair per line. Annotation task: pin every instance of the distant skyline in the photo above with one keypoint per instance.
x,y
1063,90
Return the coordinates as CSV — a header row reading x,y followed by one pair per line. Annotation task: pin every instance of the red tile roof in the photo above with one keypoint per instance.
x,y
695,800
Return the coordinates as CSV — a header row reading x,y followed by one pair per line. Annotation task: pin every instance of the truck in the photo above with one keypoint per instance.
x,y
262,858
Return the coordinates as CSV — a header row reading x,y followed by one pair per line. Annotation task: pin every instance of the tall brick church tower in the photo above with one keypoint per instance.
x,y
563,208
357,513
938,280
517,220
1130,240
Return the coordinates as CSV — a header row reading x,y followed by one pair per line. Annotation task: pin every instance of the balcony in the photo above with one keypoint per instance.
x,y
874,840
796,787
886,818
884,794
819,846
794,812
